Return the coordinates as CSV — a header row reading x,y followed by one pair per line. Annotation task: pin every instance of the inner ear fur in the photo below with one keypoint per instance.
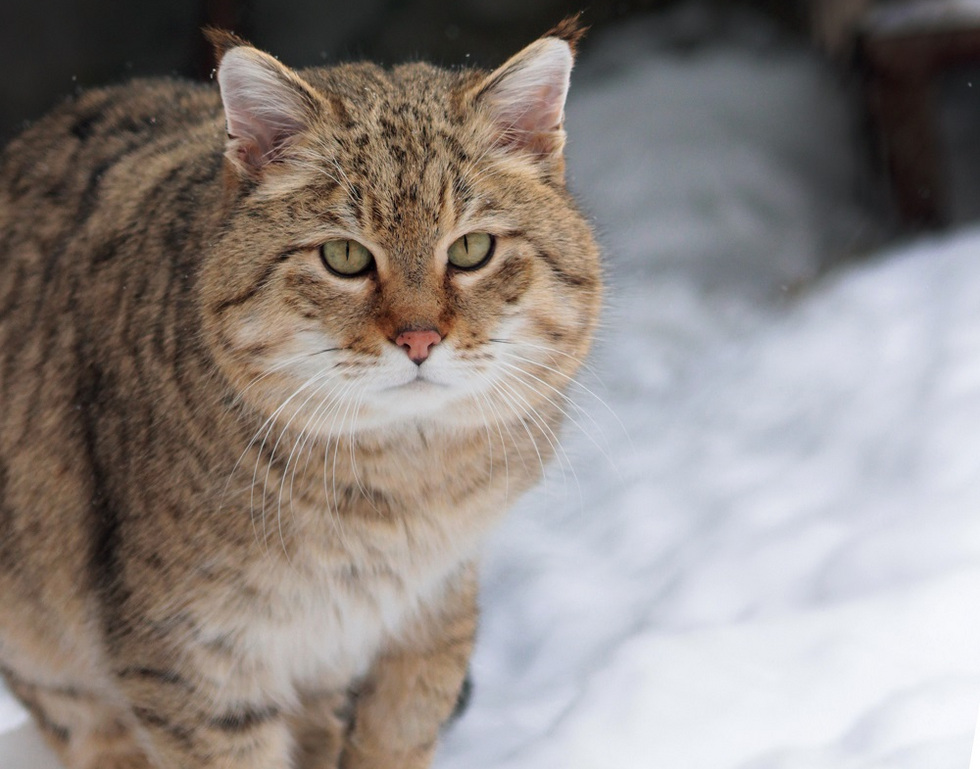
x,y
525,97
267,105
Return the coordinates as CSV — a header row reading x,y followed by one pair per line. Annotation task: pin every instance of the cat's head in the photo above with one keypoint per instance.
x,y
399,244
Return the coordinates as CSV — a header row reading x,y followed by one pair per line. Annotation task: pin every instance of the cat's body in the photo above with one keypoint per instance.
x,y
243,484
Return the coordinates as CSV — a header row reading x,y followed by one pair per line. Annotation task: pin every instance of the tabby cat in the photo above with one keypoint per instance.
x,y
274,357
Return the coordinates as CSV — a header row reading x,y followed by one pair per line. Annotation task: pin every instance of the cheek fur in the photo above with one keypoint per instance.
x,y
483,303
510,282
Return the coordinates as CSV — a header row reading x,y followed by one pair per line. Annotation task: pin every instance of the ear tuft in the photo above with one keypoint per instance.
x,y
266,105
222,40
569,29
526,97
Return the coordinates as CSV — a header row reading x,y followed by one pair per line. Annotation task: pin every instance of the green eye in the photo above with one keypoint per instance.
x,y
346,258
471,251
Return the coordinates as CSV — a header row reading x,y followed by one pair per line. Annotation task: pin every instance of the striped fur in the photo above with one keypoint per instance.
x,y
234,532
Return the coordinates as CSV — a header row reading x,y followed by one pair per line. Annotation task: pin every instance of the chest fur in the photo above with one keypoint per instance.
x,y
316,608
328,576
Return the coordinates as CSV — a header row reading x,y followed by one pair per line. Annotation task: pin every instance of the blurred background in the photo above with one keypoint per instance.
x,y
912,114
48,48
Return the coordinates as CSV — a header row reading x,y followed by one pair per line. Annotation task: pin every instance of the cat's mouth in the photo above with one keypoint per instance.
x,y
419,383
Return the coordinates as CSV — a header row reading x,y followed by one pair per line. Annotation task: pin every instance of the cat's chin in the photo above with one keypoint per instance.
x,y
424,381
415,396
419,385
419,401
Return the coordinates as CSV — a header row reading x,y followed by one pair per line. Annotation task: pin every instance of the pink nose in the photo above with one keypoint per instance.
x,y
418,343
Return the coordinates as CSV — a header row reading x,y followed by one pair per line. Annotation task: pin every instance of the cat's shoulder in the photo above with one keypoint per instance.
x,y
142,105
94,125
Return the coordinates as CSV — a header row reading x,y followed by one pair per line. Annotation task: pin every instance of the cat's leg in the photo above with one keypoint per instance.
x,y
84,730
319,728
236,739
208,732
413,687
208,713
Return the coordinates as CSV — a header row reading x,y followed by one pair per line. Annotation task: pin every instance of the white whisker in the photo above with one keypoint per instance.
x,y
358,400
279,367
485,397
264,431
306,437
570,379
522,372
323,378
528,411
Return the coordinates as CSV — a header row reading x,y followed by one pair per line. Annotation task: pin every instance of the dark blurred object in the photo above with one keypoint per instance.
x,y
834,24
904,51
232,15
48,48
902,74
484,31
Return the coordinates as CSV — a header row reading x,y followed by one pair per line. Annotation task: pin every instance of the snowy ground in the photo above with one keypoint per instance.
x,y
762,550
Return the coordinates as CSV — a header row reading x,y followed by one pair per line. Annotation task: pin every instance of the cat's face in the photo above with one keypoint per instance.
x,y
401,246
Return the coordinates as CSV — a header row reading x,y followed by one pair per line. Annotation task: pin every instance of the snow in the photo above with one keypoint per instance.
x,y
761,548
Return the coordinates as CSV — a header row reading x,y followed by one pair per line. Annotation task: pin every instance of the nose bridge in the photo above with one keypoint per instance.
x,y
414,298
415,264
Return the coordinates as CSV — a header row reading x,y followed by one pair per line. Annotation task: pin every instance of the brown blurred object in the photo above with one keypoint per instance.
x,y
902,49
55,47
833,24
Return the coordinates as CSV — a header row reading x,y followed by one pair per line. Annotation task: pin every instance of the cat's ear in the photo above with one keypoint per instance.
x,y
267,105
525,97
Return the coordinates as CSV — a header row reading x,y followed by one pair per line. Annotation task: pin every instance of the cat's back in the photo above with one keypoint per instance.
x,y
99,201
65,154
96,151
87,187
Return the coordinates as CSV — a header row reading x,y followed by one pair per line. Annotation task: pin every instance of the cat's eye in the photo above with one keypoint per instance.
x,y
471,251
346,258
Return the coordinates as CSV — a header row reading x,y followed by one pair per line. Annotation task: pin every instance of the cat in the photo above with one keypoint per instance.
x,y
274,358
